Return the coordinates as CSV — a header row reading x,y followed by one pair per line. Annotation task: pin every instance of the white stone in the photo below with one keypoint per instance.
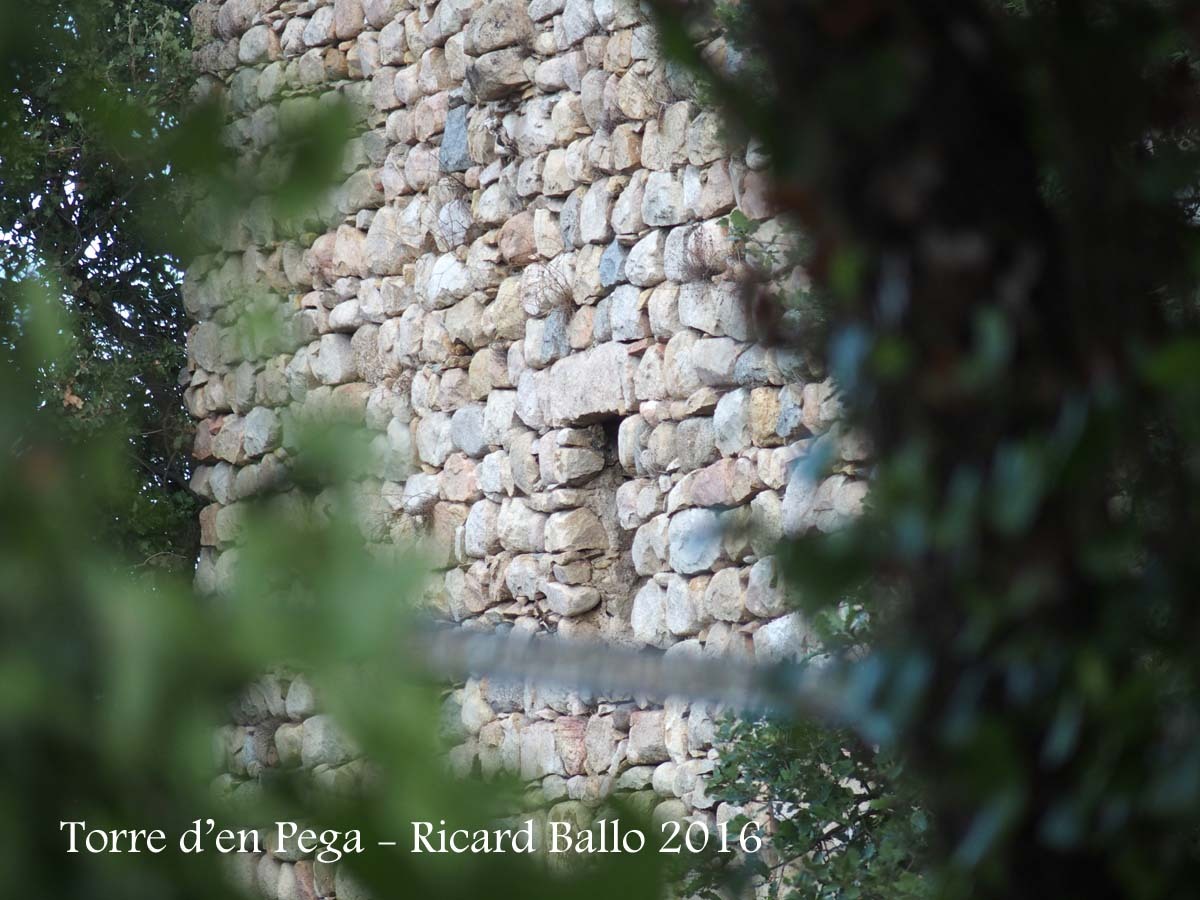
x,y
262,431
569,465
731,423
648,616
594,211
333,363
495,474
577,22
644,265
578,529
785,638
650,382
571,600
685,613
764,596
434,439
521,528
715,360
539,756
499,416
695,540
591,386
651,550
724,598
476,711
662,200
679,367
627,210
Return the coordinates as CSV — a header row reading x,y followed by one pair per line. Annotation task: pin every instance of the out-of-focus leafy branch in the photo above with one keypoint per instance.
x,y
90,91
999,199
113,678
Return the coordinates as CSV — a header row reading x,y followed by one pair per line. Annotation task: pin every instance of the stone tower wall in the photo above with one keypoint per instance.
x,y
523,288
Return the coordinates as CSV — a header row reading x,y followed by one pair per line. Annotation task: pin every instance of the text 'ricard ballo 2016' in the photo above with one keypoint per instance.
x,y
604,836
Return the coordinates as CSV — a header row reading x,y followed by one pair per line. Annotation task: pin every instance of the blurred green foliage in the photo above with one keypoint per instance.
x,y
114,677
89,92
112,683
844,820
1000,200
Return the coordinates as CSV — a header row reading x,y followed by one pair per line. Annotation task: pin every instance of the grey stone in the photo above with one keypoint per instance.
x,y
453,156
612,264
766,522
631,438
715,359
526,575
501,23
325,743
301,701
540,10
420,493
539,753
497,74
799,505
546,340
259,44
679,365
696,443
476,711
594,213
600,741
498,416
320,28
348,19
262,431
495,474
662,202
380,12
289,743
578,21
627,315
695,540
698,307
764,596
664,311
731,422
467,430
647,737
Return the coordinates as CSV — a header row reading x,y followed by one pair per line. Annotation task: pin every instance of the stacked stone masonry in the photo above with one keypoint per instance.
x,y
524,288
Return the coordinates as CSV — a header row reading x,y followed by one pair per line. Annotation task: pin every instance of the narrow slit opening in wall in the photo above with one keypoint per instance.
x,y
612,431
